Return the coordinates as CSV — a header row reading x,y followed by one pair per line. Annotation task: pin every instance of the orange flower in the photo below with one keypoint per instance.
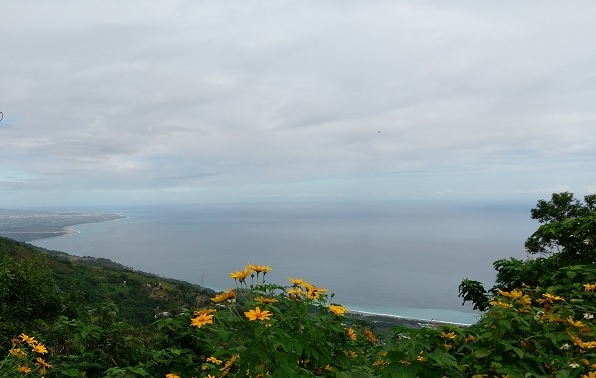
x,y
214,360
296,281
315,292
23,369
574,323
18,352
39,348
257,314
337,310
204,312
259,268
513,294
265,300
550,298
202,320
448,335
295,293
370,336
241,276
29,340
351,334
43,366
226,295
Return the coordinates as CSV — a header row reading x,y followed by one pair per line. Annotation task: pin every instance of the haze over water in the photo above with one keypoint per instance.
x,y
399,258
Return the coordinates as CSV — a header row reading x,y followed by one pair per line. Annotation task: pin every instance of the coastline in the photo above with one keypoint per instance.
x,y
386,322
30,228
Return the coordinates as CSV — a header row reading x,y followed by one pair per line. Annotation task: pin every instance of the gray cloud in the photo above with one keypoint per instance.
x,y
271,97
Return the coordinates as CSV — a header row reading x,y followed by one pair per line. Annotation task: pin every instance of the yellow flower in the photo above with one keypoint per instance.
x,y
41,362
29,340
590,287
513,294
583,344
420,357
202,320
224,296
257,314
551,298
265,300
296,281
591,374
448,335
214,360
204,312
525,300
295,293
229,363
172,375
350,353
314,292
23,369
500,304
18,352
337,310
370,336
351,334
259,268
39,348
241,276
574,323
43,366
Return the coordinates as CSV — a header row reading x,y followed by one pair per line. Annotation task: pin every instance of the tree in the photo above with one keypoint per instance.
x,y
566,237
568,229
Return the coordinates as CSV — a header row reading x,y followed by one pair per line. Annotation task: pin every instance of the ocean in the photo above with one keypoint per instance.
x,y
397,258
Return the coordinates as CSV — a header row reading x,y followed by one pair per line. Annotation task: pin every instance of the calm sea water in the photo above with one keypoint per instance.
x,y
385,257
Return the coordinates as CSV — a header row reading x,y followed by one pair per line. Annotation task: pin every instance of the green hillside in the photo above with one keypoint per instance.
x,y
88,282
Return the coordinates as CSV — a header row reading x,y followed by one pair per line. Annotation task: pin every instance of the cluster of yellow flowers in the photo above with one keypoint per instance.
x,y
448,336
303,288
36,347
224,296
583,344
516,298
248,270
550,299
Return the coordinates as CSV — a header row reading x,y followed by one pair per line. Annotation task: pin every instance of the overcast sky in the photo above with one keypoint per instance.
x,y
115,102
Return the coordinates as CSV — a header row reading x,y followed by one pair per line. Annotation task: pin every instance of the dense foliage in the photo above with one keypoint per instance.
x,y
538,322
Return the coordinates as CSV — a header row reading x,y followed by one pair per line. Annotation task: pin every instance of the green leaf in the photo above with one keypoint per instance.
x,y
519,352
480,353
223,334
443,358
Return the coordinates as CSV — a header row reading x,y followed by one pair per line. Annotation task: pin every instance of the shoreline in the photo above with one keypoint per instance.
x,y
389,321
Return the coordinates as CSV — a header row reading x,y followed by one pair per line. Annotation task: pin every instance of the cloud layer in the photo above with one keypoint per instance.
x,y
159,102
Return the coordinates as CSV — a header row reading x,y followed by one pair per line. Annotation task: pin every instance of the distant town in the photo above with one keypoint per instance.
x,y
26,225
